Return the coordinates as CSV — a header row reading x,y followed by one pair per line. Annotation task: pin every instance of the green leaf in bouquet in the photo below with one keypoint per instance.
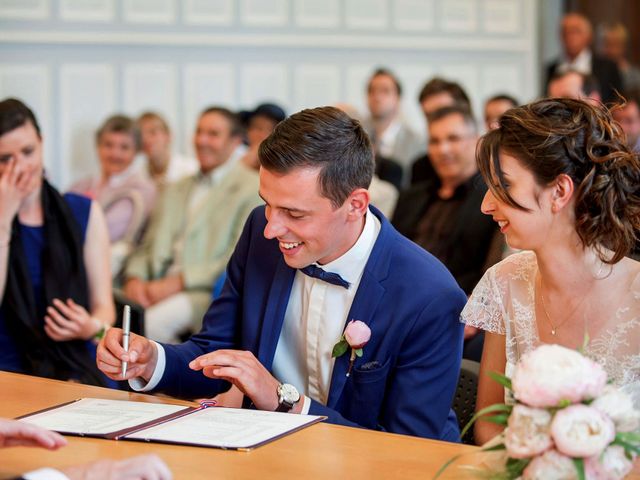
x,y
564,403
628,446
446,465
493,448
499,419
585,343
631,437
579,464
501,379
340,348
498,407
515,467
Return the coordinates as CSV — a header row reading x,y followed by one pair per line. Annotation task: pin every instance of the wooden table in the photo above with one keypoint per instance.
x,y
320,451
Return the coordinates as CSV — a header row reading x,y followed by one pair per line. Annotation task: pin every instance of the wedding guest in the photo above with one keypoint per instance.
x,y
163,163
628,116
563,186
14,433
120,187
495,106
392,137
614,47
259,124
55,284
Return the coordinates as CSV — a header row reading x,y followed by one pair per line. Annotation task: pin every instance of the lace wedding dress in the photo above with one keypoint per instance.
x,y
503,302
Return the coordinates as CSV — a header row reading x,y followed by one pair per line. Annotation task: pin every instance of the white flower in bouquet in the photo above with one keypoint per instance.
x,y
565,424
527,432
612,464
551,465
618,406
581,431
552,375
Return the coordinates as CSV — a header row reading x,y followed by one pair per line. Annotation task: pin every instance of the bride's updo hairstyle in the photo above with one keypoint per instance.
x,y
564,136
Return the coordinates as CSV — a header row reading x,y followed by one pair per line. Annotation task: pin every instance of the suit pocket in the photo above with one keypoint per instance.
x,y
364,394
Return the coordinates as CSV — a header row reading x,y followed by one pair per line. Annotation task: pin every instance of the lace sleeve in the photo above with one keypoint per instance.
x,y
484,308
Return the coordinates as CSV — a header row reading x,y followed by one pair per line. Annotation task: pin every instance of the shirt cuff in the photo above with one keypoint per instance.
x,y
138,384
306,405
45,474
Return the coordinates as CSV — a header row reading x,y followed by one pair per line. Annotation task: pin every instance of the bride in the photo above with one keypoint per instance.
x,y
564,188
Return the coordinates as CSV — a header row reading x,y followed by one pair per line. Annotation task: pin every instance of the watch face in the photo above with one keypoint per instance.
x,y
289,393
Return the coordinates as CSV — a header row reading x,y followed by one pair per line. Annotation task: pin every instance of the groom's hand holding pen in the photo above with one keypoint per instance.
x,y
140,358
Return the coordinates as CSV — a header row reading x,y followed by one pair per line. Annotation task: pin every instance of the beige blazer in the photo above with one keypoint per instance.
x,y
210,236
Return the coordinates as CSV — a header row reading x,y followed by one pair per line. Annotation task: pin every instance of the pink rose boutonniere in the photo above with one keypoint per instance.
x,y
356,336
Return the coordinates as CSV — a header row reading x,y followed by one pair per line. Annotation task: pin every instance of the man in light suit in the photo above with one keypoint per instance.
x,y
272,330
193,231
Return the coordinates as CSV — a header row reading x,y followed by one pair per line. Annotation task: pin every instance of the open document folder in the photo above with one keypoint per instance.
x,y
218,427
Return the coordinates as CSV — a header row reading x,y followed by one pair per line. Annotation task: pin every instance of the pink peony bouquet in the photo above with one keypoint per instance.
x,y
566,423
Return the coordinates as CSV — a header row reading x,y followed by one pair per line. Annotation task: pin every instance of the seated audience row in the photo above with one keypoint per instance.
x,y
193,231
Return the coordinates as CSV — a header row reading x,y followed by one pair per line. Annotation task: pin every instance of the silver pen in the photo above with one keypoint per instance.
x,y
126,330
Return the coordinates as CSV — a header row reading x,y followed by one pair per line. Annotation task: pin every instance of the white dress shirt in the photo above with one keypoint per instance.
x,y
582,63
315,319
387,142
313,323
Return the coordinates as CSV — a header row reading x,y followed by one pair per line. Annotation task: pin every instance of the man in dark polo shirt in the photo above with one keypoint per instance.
x,y
442,214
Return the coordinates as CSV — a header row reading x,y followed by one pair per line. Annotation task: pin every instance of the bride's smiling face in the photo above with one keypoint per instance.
x,y
526,228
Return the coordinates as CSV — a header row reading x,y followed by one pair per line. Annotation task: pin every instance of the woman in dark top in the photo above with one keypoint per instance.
x,y
54,263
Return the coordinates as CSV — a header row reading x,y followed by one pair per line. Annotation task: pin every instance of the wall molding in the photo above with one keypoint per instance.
x,y
262,40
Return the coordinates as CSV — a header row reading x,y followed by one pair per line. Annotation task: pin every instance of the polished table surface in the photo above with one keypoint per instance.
x,y
320,451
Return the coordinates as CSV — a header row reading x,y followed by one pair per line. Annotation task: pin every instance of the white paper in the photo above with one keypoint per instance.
x,y
225,427
94,416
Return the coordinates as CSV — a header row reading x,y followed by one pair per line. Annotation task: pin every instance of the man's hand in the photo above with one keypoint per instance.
x,y
232,398
143,467
136,290
69,321
14,433
142,356
243,370
158,290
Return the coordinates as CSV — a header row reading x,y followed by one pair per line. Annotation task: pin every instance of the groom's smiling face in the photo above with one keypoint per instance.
x,y
306,224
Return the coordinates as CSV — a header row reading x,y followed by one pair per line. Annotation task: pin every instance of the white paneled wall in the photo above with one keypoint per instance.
x,y
77,61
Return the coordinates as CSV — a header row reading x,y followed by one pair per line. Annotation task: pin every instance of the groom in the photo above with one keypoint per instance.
x,y
272,330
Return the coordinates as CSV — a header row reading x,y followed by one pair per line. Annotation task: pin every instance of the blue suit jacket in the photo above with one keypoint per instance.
x,y
406,379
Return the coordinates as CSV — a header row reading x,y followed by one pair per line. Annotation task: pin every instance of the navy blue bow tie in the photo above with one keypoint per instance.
x,y
332,278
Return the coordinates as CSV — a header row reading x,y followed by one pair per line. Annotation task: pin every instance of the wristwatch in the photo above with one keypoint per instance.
x,y
288,396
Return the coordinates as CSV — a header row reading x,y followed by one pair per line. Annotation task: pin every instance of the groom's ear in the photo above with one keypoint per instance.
x,y
357,203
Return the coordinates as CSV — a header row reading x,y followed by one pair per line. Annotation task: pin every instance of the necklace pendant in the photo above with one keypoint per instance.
x,y
553,331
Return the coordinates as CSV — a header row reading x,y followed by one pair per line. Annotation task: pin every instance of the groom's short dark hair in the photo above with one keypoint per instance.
x,y
325,138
